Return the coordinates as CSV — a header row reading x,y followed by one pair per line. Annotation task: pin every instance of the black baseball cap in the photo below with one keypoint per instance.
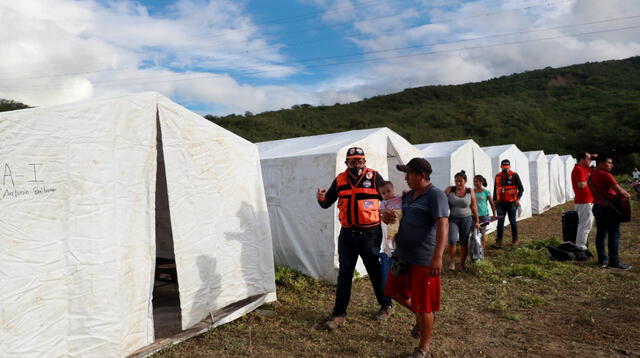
x,y
355,152
416,165
505,162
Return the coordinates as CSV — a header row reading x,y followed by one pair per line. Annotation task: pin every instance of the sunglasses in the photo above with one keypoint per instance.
x,y
355,161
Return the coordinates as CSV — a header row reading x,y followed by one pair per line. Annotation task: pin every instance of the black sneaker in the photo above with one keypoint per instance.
x,y
334,322
603,264
620,266
384,313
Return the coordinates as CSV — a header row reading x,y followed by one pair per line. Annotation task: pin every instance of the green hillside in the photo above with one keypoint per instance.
x,y
592,106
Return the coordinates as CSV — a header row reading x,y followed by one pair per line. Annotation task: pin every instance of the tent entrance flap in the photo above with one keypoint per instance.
x,y
166,297
394,175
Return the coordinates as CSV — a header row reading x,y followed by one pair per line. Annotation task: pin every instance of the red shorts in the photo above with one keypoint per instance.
x,y
418,285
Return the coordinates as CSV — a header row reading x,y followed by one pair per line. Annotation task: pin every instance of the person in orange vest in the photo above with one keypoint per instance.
x,y
356,190
507,192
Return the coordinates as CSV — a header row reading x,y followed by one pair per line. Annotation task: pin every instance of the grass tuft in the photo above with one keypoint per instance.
x,y
485,270
526,270
541,244
497,306
290,278
512,316
528,301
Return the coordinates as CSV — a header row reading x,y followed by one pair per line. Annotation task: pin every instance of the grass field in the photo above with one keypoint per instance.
x,y
517,303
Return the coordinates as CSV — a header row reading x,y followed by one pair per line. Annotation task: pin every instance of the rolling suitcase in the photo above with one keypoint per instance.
x,y
569,226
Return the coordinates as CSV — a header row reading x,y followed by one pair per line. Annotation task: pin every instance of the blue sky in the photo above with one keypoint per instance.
x,y
232,56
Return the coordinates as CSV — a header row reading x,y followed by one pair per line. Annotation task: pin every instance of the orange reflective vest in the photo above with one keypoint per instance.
x,y
506,188
358,204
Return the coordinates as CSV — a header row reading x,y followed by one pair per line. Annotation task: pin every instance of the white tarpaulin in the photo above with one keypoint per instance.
x,y
539,178
569,162
520,165
557,193
78,227
305,235
449,158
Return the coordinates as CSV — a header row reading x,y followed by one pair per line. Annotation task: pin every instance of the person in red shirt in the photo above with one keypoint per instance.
x,y
604,187
583,198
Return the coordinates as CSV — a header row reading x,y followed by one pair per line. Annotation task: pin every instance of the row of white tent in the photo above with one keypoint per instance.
x,y
93,193
305,237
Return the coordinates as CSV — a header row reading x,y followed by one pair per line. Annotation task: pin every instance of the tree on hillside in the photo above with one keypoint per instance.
x,y
8,105
592,106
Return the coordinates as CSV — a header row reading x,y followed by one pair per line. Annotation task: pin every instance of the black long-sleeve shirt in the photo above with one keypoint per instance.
x,y
331,195
516,181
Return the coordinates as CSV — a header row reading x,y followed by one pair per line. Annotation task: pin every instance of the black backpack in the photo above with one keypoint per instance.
x,y
568,251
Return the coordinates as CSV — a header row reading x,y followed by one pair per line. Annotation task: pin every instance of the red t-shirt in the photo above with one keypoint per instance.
x,y
603,183
583,195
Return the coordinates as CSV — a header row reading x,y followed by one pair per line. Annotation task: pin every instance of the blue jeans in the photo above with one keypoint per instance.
x,y
506,208
385,267
351,244
607,225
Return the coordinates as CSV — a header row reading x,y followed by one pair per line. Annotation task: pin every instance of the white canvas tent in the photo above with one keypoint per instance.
x,y
305,235
539,178
82,214
569,162
449,158
557,192
520,165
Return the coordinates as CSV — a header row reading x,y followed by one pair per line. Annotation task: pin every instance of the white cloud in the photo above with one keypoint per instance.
x,y
456,63
58,51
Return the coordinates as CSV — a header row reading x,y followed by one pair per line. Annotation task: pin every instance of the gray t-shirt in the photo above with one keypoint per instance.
x,y
460,206
416,238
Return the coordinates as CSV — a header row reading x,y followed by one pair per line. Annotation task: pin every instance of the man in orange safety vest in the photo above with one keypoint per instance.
x,y
507,192
356,190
